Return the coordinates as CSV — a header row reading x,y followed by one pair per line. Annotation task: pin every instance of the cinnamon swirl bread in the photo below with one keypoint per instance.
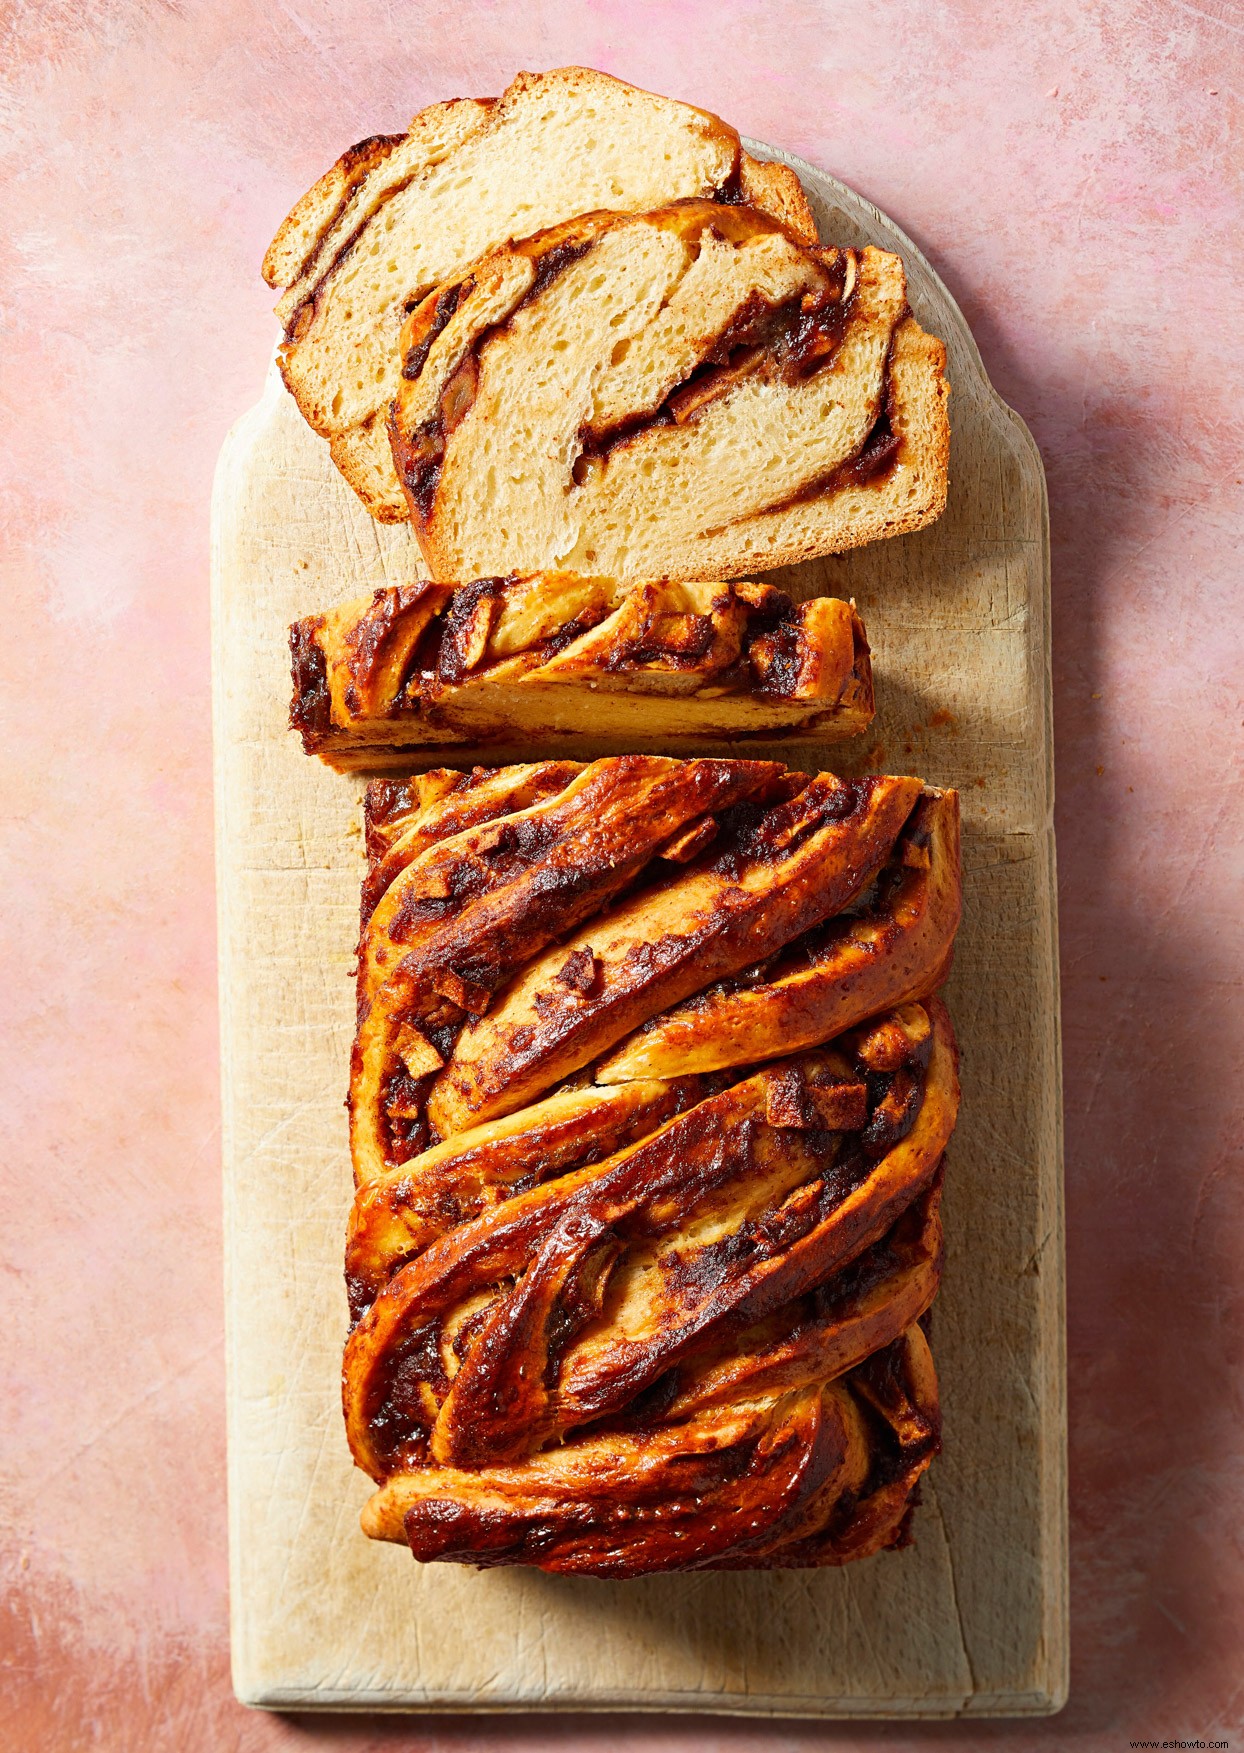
x,y
547,657
402,213
687,393
671,1320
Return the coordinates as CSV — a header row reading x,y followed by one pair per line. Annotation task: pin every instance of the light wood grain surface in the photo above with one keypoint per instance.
x,y
973,1619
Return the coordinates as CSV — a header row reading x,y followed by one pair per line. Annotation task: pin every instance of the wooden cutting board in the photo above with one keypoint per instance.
x,y
973,1619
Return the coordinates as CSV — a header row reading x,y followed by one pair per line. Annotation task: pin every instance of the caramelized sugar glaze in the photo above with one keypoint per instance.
x,y
650,1097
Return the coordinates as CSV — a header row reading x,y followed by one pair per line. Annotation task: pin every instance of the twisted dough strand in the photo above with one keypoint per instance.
x,y
664,1322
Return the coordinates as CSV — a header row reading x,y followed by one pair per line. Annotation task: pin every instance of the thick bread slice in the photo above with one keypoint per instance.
x,y
547,657
686,393
400,214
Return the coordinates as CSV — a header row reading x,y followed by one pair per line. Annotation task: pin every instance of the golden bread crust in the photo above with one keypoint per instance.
x,y
775,189
672,1321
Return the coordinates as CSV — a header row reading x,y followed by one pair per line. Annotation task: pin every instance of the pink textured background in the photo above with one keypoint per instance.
x,y
1072,168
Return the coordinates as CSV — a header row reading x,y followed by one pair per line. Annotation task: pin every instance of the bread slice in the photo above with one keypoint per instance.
x,y
542,658
399,214
690,392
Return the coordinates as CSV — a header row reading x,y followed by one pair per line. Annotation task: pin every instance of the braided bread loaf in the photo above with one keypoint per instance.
x,y
551,656
649,1100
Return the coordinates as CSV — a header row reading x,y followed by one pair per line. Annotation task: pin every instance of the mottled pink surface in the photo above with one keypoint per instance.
x,y
1072,168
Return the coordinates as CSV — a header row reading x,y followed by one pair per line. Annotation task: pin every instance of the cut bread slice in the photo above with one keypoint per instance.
x,y
687,393
544,658
400,214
